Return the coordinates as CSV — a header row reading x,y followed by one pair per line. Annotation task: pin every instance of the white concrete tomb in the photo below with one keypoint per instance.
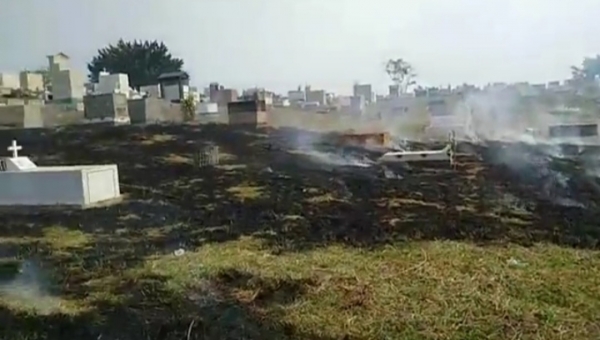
x,y
445,154
23,183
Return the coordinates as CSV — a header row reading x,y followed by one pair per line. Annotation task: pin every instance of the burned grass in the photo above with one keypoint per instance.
x,y
291,253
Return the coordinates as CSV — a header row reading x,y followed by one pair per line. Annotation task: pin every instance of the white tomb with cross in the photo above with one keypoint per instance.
x,y
23,183
16,163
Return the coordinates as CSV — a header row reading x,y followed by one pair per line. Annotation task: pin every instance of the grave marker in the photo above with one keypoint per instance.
x,y
24,183
15,148
16,162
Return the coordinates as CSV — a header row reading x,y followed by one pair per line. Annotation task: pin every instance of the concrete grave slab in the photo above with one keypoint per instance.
x,y
23,183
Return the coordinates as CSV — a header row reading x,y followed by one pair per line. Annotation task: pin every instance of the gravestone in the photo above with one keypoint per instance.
x,y
23,183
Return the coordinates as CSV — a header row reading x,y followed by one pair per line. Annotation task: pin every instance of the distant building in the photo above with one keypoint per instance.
x,y
316,96
260,94
296,96
365,90
357,104
213,92
394,91
226,96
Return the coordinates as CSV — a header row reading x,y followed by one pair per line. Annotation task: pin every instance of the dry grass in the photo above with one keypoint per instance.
x,y
424,290
246,191
416,291
177,159
324,198
157,139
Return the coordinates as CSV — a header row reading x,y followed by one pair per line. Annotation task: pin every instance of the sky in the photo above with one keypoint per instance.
x,y
331,44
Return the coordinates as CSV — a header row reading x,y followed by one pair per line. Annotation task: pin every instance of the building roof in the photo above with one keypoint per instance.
x,y
59,54
170,75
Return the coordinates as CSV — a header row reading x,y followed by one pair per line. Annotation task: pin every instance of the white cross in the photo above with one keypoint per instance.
x,y
15,148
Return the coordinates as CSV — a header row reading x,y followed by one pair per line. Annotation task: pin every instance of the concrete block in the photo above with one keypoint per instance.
x,y
21,116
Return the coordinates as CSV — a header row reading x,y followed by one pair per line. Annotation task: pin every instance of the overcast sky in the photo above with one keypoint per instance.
x,y
280,44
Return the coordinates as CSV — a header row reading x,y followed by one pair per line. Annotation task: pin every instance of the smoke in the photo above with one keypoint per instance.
x,y
487,117
505,118
311,145
29,290
491,116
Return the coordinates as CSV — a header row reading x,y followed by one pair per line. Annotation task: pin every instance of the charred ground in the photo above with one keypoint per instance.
x,y
115,274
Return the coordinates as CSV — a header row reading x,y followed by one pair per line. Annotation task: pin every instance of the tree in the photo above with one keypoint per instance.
x,y
584,77
143,61
401,73
589,69
188,108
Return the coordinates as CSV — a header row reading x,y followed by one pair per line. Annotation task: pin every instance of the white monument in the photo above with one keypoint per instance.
x,y
9,81
113,83
67,84
23,183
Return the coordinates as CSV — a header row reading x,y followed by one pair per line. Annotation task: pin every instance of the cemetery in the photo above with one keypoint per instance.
x,y
224,220
137,208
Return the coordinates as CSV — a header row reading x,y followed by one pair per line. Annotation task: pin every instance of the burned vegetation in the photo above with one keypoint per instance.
x,y
286,192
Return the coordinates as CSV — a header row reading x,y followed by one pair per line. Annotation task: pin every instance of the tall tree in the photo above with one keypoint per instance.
x,y
401,73
585,77
143,61
589,69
